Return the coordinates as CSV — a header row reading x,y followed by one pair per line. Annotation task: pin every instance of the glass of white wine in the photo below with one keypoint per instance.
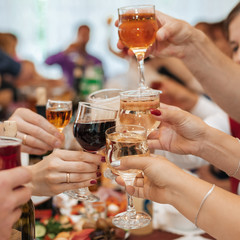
x,y
122,141
137,31
135,106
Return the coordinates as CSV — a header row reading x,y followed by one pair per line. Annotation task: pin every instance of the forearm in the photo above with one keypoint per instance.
x,y
219,213
218,74
221,150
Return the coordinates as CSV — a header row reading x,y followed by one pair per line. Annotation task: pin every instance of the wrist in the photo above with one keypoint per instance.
x,y
31,184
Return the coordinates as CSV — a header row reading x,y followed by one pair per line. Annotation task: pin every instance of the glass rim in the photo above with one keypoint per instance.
x,y
95,106
136,6
59,101
135,93
105,90
126,125
17,140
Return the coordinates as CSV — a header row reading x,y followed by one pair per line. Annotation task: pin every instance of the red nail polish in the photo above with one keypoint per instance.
x,y
93,181
98,174
103,159
155,112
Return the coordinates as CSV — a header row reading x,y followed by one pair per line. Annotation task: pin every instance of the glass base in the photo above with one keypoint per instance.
x,y
127,221
79,196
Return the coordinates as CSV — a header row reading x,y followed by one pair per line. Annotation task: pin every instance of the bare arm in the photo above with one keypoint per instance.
x,y
219,214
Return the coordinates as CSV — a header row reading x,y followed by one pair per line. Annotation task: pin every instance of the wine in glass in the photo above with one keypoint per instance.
x,y
137,29
89,130
121,141
59,113
109,98
135,108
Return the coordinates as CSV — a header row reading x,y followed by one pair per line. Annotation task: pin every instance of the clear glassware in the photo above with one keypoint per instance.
x,y
109,98
135,108
121,141
89,130
137,30
59,113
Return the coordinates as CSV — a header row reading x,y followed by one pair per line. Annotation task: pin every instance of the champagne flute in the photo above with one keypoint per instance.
x,y
135,108
121,141
59,113
89,130
137,30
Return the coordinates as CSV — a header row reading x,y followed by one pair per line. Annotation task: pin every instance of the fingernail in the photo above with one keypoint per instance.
x,y
57,144
103,159
155,112
93,181
98,167
98,174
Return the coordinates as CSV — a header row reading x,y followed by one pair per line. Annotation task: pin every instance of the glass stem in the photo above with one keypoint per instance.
x,y
130,207
140,60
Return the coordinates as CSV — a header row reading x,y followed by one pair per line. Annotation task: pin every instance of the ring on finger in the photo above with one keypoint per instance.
x,y
68,178
24,141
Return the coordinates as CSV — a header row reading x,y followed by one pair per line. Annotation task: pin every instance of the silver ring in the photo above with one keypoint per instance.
x,y
68,178
24,141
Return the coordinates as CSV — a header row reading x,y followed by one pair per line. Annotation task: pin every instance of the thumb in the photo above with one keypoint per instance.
x,y
172,115
133,162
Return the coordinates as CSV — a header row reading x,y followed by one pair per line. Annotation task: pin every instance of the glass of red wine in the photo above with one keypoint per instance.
x,y
89,130
10,153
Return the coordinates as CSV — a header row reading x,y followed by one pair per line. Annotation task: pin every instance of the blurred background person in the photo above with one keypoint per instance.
x,y
82,71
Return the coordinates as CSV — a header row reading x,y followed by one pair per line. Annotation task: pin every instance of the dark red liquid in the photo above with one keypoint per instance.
x,y
91,136
9,155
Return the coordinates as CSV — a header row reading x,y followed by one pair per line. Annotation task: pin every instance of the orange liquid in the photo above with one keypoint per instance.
x,y
59,118
137,31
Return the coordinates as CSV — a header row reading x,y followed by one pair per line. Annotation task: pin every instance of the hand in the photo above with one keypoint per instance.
x,y
50,174
41,136
12,196
179,132
176,94
154,184
172,37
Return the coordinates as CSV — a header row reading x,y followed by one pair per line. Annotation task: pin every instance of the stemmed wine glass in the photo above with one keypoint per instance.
x,y
137,29
121,141
135,108
89,130
107,98
59,113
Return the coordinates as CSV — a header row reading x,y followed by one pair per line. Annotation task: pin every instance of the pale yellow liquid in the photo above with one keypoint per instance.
x,y
120,145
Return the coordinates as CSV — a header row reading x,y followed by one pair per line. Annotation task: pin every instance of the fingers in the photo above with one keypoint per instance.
x,y
71,186
32,142
75,177
173,115
19,176
68,155
38,127
21,196
133,162
30,150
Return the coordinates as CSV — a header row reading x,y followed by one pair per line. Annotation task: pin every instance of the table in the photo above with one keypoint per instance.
x,y
159,234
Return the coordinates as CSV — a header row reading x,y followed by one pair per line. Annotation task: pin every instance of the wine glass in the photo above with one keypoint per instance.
x,y
135,108
59,113
108,98
121,141
137,29
89,130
